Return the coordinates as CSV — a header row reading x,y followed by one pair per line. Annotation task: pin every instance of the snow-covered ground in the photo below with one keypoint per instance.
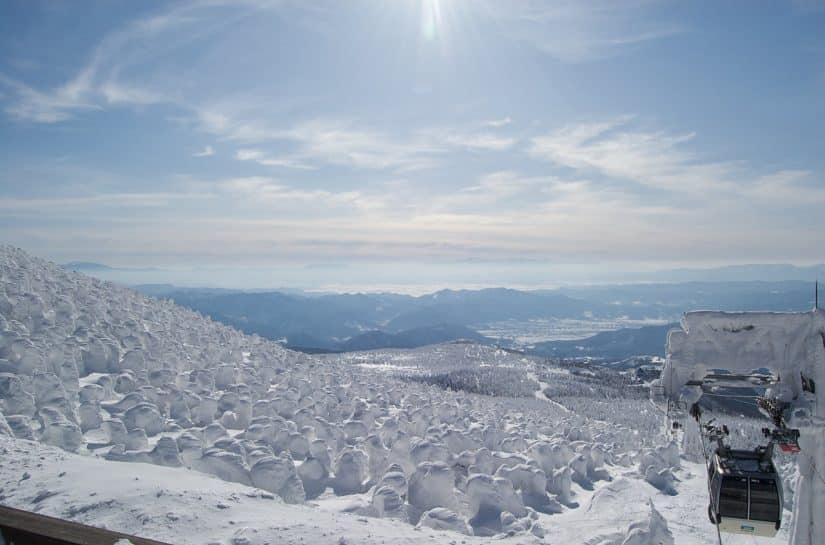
x,y
185,506
133,413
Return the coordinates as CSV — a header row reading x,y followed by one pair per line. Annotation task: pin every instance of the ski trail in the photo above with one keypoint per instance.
x,y
540,393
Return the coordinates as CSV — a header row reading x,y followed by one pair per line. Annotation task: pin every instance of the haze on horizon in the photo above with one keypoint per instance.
x,y
429,142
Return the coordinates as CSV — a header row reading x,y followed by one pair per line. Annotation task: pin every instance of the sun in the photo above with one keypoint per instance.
x,y
430,19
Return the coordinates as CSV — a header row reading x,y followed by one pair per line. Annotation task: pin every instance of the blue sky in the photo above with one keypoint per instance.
x,y
423,132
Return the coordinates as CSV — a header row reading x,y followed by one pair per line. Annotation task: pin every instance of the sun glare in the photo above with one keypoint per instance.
x,y
430,19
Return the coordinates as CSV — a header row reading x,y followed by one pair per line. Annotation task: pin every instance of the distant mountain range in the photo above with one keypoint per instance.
x,y
358,321
757,272
669,300
373,340
332,321
86,266
344,322
476,307
92,268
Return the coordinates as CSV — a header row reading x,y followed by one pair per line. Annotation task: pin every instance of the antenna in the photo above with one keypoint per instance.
x,y
816,294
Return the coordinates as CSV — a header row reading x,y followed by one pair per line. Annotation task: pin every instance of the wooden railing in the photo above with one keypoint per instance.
x,y
19,527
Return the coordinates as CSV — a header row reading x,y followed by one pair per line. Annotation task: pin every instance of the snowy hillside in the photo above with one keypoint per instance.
x,y
234,439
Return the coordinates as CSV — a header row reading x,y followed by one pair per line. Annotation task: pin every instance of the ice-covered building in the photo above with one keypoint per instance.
x,y
789,345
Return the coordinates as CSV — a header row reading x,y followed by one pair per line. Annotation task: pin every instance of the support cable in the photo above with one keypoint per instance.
x,y
707,468
730,395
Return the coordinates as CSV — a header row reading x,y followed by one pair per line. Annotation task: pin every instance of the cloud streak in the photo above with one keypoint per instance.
x,y
99,83
654,159
95,202
578,31
323,157
208,151
261,158
498,123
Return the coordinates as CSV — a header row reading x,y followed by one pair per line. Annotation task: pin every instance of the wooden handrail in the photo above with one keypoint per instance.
x,y
29,526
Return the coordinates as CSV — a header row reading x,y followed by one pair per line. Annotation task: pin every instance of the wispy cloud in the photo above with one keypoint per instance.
x,y
100,81
29,104
93,87
338,172
313,142
229,122
497,123
269,192
666,161
208,151
260,157
129,200
505,215
481,141
116,93
497,185
789,187
581,30
343,144
655,159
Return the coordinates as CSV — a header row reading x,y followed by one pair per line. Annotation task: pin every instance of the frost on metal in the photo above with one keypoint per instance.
x,y
791,346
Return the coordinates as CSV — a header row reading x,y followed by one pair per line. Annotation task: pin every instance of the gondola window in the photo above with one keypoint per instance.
x,y
733,498
764,500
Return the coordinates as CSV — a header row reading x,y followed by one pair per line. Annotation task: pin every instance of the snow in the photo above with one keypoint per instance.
x,y
177,505
441,518
136,414
740,342
791,346
184,506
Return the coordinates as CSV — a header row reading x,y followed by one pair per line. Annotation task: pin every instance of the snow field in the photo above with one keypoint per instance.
x,y
101,375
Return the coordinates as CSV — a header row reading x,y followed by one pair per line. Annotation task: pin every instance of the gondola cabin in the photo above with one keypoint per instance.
x,y
745,492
